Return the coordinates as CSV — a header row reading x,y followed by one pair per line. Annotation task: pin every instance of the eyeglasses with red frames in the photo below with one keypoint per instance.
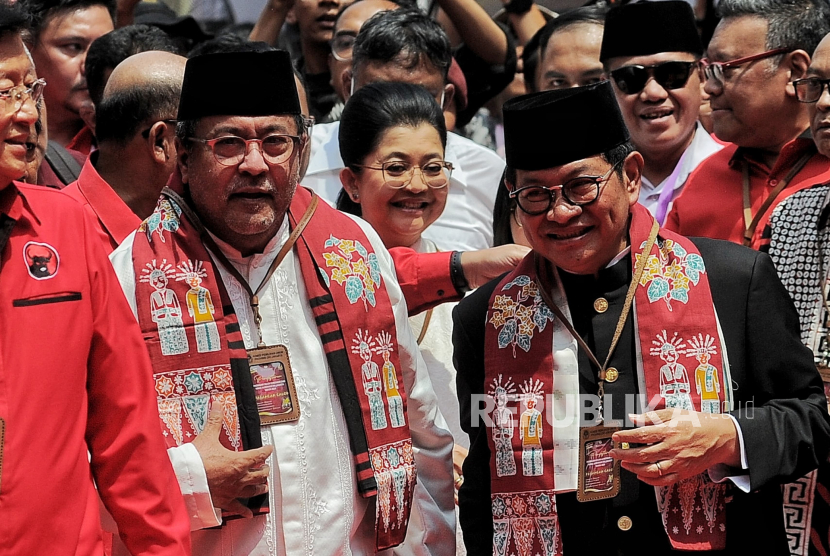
x,y
714,70
231,150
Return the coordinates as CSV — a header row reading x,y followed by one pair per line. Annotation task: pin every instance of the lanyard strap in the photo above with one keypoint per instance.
x,y
750,221
220,256
541,271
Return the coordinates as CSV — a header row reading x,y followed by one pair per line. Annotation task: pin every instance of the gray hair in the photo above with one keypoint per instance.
x,y
792,24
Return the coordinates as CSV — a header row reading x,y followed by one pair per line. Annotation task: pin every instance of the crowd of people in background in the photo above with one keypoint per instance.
x,y
331,282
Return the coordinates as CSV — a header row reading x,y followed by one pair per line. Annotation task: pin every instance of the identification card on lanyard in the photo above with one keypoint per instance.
x,y
599,473
276,395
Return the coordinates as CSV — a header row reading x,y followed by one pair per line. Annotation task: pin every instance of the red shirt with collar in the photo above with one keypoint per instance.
x,y
711,204
75,377
115,219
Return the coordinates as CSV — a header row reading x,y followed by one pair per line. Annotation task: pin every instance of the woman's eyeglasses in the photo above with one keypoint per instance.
x,y
397,174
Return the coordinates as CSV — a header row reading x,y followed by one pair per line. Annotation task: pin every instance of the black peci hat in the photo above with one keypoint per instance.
x,y
650,28
578,123
239,84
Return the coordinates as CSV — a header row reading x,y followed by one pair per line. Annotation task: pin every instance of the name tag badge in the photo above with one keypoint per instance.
x,y
599,473
276,396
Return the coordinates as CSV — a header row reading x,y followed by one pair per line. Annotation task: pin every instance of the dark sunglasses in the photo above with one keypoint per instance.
x,y
669,75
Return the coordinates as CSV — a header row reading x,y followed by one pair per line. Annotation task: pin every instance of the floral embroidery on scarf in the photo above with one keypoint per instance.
x,y
354,268
165,217
519,318
670,274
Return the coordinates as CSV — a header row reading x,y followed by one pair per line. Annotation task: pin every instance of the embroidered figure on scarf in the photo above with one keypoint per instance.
x,y
530,430
200,306
165,309
165,217
670,274
518,318
706,375
390,381
398,480
674,381
372,382
503,427
354,268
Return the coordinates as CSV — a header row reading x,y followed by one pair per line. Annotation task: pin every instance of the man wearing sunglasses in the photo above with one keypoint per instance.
x,y
650,51
136,129
757,51
611,311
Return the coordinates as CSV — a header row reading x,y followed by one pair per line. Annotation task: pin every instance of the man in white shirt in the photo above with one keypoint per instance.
x,y
651,51
405,45
220,281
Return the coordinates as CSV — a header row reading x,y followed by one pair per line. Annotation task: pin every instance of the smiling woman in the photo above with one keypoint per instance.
x,y
392,139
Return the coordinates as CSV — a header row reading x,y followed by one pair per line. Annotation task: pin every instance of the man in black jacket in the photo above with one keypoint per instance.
x,y
711,330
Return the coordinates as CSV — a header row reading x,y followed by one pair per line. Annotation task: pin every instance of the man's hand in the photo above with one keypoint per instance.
x,y
459,454
678,444
230,474
482,266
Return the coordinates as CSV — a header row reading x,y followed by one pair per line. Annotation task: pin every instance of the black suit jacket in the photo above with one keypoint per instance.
x,y
780,406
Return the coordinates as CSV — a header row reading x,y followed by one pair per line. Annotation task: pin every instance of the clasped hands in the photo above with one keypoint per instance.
x,y
675,444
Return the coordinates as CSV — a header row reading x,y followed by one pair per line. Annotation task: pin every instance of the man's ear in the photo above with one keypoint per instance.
x,y
160,142
183,159
632,175
347,77
798,62
349,181
449,95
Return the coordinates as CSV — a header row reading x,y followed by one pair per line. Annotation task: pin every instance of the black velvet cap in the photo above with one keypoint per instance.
x,y
648,28
238,84
552,128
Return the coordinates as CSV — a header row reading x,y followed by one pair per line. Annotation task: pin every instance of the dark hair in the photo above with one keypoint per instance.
x,y
119,115
404,36
229,43
107,51
503,210
407,4
530,61
13,20
793,24
614,157
376,108
41,11
594,14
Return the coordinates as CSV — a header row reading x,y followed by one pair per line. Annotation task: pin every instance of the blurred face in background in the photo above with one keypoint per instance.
x,y
571,58
820,110
346,29
60,54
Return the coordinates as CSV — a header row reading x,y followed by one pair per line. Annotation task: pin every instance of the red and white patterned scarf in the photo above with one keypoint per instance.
x,y
199,356
676,327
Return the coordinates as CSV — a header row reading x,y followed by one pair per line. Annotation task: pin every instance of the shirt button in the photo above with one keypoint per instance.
x,y
625,523
611,374
601,305
773,183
